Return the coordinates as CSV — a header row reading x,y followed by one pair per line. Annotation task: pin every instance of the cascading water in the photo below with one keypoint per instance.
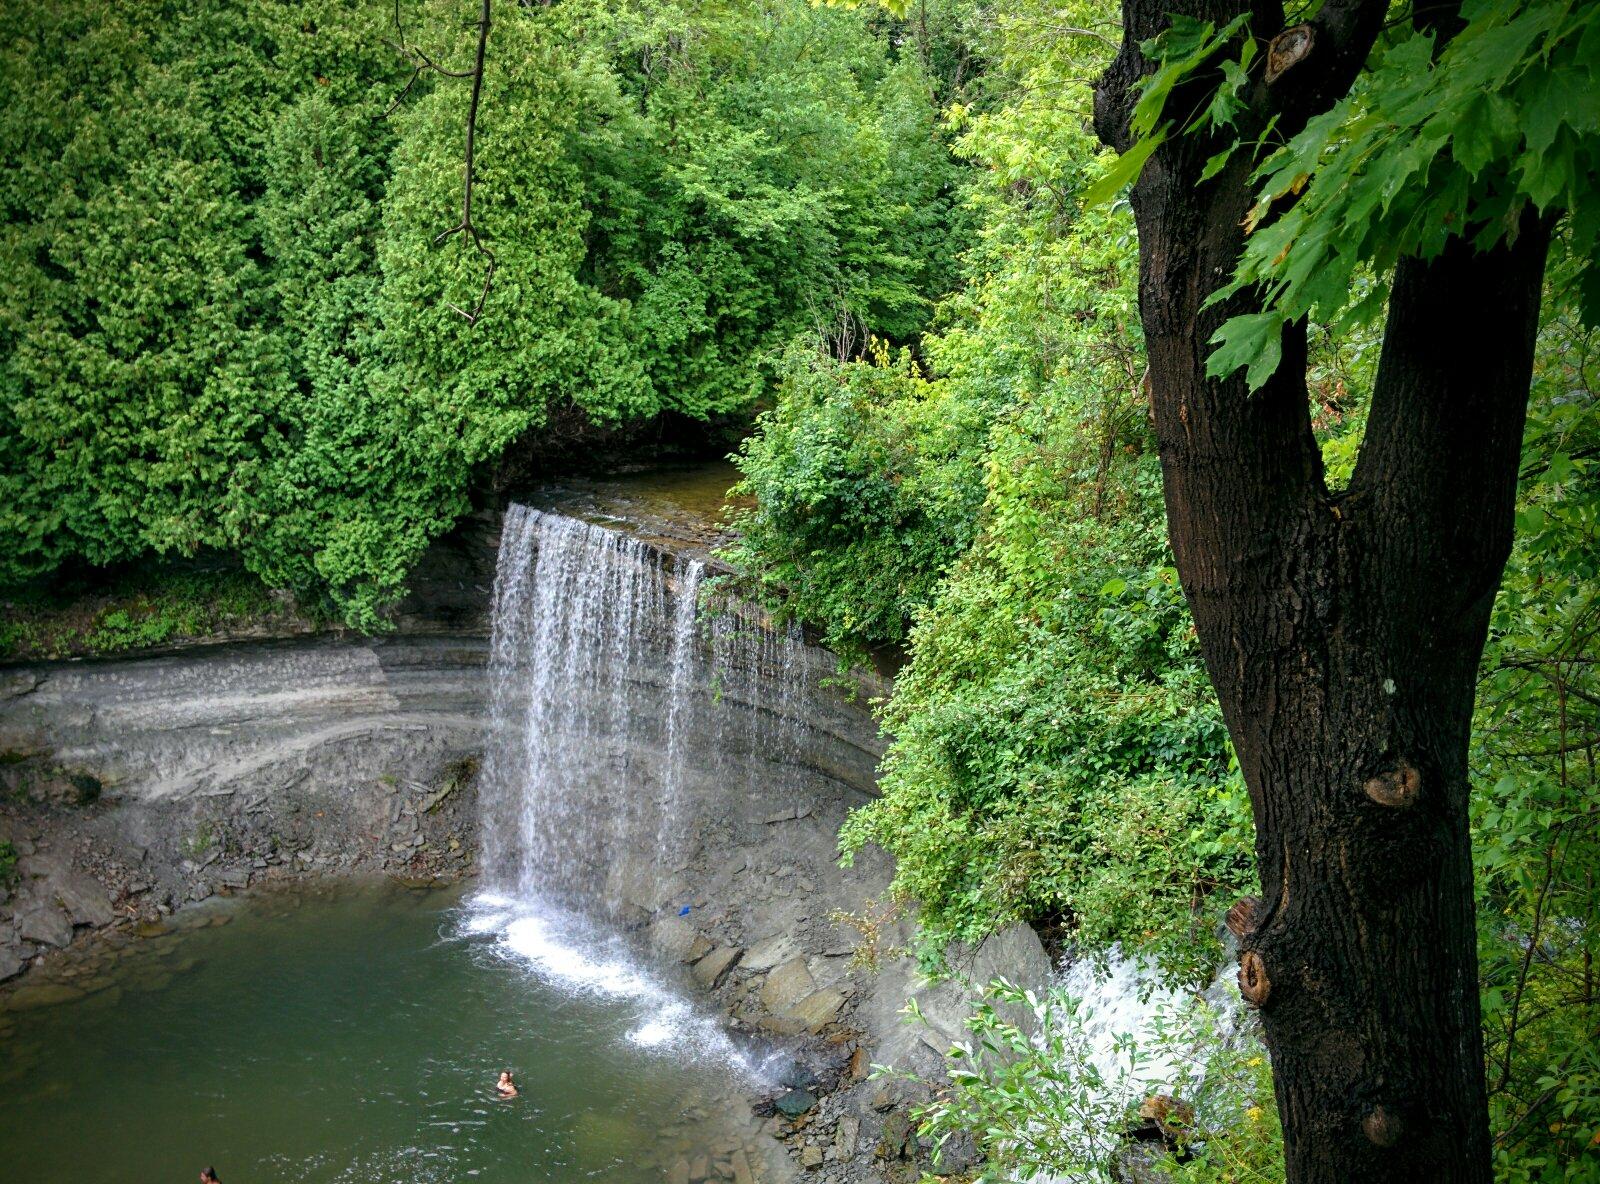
x,y
1131,1033
585,754
604,696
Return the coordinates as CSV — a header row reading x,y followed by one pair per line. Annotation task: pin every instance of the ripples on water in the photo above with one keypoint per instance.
x,y
355,1036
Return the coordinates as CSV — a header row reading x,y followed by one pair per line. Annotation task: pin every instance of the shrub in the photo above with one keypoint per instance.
x,y
863,494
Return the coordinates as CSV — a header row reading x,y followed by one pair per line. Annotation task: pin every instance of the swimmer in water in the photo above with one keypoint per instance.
x,y
506,1087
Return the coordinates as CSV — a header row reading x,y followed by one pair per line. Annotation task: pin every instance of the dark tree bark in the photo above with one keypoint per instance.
x,y
1342,632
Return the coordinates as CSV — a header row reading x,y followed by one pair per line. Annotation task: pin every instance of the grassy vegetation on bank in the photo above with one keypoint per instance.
x,y
142,609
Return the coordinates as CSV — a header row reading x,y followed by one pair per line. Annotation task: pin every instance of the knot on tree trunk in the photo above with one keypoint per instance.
x,y
1397,788
1287,49
1381,1127
1254,984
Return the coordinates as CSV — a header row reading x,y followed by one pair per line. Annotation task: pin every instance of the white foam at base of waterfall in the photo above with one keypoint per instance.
x,y
577,957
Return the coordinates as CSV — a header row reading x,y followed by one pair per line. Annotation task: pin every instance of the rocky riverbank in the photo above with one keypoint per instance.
x,y
129,788
805,956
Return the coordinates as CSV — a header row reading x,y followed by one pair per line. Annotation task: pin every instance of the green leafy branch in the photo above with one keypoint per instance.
x,y
1181,52
1431,143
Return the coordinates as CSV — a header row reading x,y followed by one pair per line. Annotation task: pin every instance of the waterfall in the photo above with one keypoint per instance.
x,y
593,665
618,717
1126,1038
680,715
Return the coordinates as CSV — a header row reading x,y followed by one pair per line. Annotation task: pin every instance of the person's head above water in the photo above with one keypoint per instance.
x,y
209,1176
505,1075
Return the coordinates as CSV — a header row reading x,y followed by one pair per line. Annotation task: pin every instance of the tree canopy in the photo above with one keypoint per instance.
x,y
225,323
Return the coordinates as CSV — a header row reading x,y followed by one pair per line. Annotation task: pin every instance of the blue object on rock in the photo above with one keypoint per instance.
x,y
684,911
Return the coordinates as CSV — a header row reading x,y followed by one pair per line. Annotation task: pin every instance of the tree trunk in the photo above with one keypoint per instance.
x,y
1342,633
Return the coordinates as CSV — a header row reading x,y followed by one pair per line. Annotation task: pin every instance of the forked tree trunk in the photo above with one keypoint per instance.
x,y
1342,633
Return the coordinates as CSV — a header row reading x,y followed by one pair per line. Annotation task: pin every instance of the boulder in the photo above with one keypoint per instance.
x,y
1171,1116
714,967
673,936
84,898
957,1156
899,1137
1015,953
11,962
846,1135
46,923
818,1009
52,877
795,1103
786,985
766,954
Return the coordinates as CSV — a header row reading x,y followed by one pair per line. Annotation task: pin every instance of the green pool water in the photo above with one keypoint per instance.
x,y
348,1035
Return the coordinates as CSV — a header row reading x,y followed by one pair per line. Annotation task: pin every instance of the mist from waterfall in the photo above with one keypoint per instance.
x,y
610,693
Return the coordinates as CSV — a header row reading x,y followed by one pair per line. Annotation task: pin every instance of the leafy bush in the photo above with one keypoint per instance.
x,y
863,494
1056,753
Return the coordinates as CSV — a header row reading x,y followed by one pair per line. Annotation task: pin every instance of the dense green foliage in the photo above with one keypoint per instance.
x,y
224,322
1055,750
863,493
1535,744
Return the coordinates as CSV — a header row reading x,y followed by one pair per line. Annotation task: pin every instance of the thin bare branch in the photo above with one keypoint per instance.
x,y
419,62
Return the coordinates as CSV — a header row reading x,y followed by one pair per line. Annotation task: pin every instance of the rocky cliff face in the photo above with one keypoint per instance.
x,y
144,783
131,786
